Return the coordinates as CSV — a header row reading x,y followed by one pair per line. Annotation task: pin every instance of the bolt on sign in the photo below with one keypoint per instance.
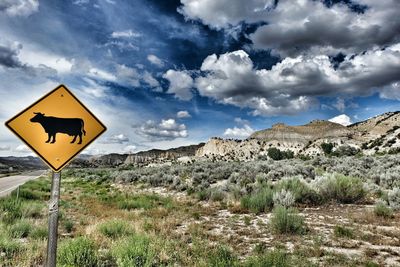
x,y
57,127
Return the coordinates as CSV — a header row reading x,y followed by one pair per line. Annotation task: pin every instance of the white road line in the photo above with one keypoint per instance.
x,y
9,189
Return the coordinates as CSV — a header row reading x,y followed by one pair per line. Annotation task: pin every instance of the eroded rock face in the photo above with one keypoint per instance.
x,y
378,134
230,149
314,130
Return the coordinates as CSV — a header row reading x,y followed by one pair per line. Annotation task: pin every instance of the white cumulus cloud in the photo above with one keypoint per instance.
x,y
167,129
293,84
237,132
183,114
342,119
155,60
180,84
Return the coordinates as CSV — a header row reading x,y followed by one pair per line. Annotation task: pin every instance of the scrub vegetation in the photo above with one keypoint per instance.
x,y
326,211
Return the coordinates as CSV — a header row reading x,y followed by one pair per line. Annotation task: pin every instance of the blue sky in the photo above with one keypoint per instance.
x,y
162,74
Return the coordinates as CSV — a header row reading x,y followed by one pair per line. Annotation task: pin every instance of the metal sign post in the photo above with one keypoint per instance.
x,y
53,220
47,127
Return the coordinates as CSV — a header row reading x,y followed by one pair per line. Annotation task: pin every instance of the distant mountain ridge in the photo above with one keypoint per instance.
x,y
377,134
304,133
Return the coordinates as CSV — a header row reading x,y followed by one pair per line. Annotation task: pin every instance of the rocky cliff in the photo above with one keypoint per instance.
x,y
158,155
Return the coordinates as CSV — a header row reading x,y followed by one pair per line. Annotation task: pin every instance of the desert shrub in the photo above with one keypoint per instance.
x,y
127,176
389,178
345,151
394,198
341,188
287,154
283,198
259,201
217,195
287,221
20,229
203,195
301,191
304,157
134,251
222,257
273,258
11,210
342,231
114,228
80,251
381,209
327,148
276,154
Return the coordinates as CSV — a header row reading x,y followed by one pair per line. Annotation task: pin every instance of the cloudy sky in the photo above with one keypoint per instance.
x,y
162,74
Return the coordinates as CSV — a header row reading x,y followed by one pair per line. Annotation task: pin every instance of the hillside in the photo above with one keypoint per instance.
x,y
377,134
316,129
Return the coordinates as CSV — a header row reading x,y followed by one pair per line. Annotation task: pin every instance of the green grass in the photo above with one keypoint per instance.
x,y
20,229
260,201
143,201
115,229
381,209
134,251
287,221
9,248
222,257
39,232
11,210
32,209
80,252
342,231
38,189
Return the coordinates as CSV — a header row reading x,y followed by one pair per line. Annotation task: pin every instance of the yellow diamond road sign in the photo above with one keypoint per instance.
x,y
56,127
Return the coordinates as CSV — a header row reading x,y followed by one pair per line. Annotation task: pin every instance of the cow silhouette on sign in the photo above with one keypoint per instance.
x,y
53,125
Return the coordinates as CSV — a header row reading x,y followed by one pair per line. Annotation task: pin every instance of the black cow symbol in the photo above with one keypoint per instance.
x,y
53,125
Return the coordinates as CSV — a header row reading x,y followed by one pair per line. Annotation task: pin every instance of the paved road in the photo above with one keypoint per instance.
x,y
9,183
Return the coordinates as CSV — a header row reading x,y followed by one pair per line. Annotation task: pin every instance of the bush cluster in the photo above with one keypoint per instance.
x,y
341,188
287,221
276,154
114,228
80,251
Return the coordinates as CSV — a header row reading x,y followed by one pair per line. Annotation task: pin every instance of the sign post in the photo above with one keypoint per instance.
x,y
57,127
53,220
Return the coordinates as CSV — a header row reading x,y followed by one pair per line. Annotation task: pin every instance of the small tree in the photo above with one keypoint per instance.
x,y
275,153
327,148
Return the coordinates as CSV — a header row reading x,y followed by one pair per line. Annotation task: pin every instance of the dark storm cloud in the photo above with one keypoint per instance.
x,y
9,55
295,27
